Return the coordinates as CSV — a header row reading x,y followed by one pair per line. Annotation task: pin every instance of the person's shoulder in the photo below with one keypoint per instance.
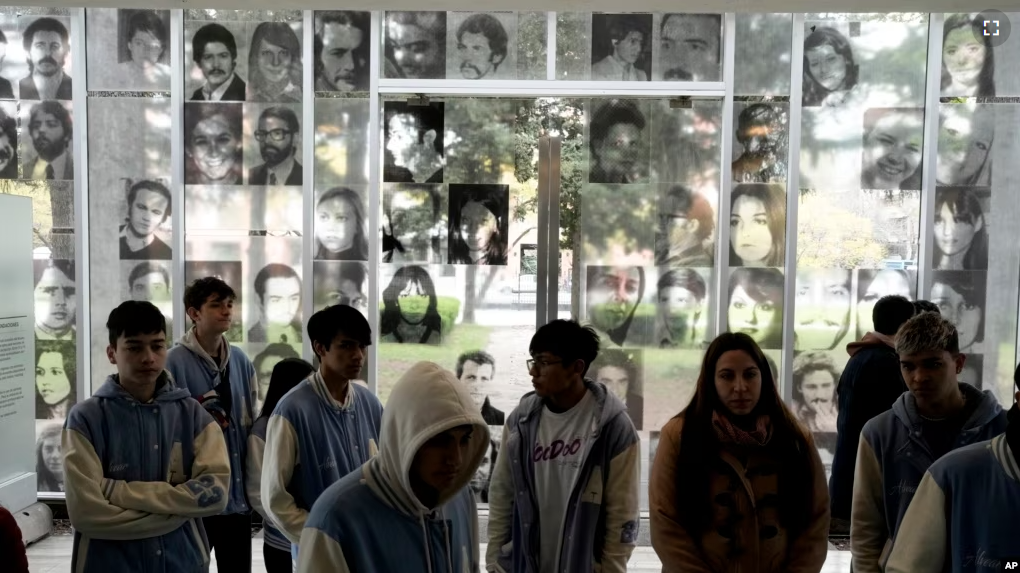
x,y
969,462
338,504
84,411
880,427
295,400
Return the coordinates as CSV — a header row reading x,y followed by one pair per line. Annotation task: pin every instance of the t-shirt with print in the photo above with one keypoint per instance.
x,y
557,455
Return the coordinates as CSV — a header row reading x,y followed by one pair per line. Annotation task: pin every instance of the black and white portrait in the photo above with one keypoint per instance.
x,y
482,46
815,376
756,305
830,67
341,225
148,281
762,138
758,225
823,308
891,149
690,48
685,235
342,51
47,131
619,142
143,46
55,379
479,225
143,234
873,284
340,283
686,144
612,295
49,457
8,140
621,47
47,46
228,272
973,371
483,474
6,87
681,305
264,362
960,296
274,62
415,45
277,138
966,136
968,57
961,228
214,49
410,312
477,370
56,299
413,224
213,144
414,143
278,298
620,370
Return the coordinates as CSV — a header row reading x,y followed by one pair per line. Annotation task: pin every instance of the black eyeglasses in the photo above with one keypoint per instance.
x,y
274,134
540,363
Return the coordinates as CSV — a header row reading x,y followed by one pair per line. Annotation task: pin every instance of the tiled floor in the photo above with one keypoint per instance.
x,y
53,555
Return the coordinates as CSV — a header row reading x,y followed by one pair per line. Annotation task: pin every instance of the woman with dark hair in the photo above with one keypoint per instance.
x,y
830,72
340,233
274,64
737,484
758,225
54,379
478,230
612,295
287,374
142,63
961,237
680,304
966,135
968,58
410,308
873,284
756,305
49,462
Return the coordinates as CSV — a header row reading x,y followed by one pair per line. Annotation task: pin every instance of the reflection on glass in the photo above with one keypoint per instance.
x,y
49,458
278,293
340,226
680,302
756,305
973,371
968,58
758,35
214,50
966,135
690,47
620,371
619,144
891,157
822,309
960,296
342,51
761,133
621,47
477,370
411,308
340,283
415,45
612,297
479,224
55,368
56,301
685,236
961,235
758,225
146,44
815,375
274,63
875,284
482,43
830,70
8,141
412,225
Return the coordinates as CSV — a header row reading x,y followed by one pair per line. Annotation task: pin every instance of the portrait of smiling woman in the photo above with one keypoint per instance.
x,y
758,225
968,58
830,71
756,305
274,63
891,150
212,138
961,233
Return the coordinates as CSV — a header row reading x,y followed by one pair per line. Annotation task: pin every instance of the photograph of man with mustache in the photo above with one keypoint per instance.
x,y
277,133
689,48
215,52
49,126
341,51
481,47
47,44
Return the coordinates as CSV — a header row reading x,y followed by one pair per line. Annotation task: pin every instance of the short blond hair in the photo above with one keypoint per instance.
x,y
927,332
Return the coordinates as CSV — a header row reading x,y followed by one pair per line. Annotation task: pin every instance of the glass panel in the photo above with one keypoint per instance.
x,y
532,45
139,59
687,47
478,46
758,35
573,47
976,64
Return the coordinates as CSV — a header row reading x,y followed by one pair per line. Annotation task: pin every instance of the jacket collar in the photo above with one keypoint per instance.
x,y
988,408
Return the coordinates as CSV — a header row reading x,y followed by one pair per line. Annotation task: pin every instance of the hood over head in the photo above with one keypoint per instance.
x,y
190,341
166,390
427,401
869,340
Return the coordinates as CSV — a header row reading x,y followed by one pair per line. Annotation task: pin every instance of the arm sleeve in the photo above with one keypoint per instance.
x,y
501,505
90,511
278,463
920,545
809,550
675,547
868,531
320,553
253,474
623,513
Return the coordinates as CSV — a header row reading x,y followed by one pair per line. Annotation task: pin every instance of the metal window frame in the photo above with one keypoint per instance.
x,y
720,302
551,88
177,169
547,281
80,198
933,90
374,193
308,177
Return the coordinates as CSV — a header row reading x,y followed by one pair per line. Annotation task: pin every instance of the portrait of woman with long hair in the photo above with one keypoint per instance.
x,y
340,226
758,225
961,234
830,70
756,305
478,224
968,57
966,135
411,308
274,64
55,377
737,483
49,460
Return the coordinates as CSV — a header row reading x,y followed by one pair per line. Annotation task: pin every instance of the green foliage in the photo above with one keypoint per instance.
x,y
532,47
573,45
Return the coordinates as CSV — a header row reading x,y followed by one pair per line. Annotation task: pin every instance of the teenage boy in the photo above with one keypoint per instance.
x,y
221,378
324,428
569,431
408,505
964,513
937,415
143,461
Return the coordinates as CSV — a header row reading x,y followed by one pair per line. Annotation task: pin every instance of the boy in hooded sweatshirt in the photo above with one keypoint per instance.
x,y
564,492
326,427
938,415
868,386
407,509
220,377
143,462
964,513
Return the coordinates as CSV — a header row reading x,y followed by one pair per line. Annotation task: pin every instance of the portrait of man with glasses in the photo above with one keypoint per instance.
x,y
276,135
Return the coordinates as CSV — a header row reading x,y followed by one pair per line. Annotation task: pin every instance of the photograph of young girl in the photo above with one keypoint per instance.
x,y
479,224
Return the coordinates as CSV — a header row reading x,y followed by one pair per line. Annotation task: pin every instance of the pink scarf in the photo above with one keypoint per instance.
x,y
728,433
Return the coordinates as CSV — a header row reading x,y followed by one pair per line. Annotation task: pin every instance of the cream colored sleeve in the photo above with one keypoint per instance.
x,y
253,473
205,494
501,505
320,553
278,462
869,533
920,545
623,513
90,511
